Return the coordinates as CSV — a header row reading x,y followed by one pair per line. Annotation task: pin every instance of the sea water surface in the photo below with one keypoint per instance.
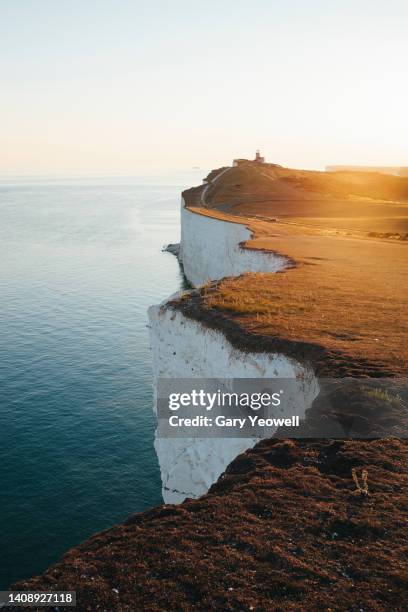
x,y
79,265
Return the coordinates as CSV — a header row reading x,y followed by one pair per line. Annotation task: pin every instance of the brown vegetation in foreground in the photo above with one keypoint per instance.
x,y
285,528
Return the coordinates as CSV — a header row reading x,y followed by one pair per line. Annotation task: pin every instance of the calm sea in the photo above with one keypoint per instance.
x,y
79,265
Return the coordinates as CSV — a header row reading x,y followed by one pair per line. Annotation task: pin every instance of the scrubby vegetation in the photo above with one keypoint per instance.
x,y
287,527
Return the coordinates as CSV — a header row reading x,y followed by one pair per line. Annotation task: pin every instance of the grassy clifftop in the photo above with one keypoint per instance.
x,y
271,181
354,201
285,528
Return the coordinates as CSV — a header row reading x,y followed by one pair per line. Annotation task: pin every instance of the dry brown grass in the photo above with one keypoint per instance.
x,y
347,293
255,294
352,201
254,182
309,305
281,530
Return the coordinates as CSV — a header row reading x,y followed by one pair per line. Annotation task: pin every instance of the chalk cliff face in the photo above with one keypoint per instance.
x,y
183,348
210,249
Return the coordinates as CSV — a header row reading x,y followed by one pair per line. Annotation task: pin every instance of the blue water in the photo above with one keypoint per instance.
x,y
79,266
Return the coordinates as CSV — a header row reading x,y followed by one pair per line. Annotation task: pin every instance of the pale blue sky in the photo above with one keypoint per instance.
x,y
129,87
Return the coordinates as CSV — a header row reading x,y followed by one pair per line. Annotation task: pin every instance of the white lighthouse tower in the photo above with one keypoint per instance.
x,y
258,158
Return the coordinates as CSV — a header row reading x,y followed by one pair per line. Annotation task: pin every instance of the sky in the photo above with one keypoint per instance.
x,y
128,87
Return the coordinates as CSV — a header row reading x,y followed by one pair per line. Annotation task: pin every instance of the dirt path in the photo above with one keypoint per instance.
x,y
210,184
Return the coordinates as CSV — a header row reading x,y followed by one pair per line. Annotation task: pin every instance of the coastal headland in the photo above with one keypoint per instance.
x,y
304,274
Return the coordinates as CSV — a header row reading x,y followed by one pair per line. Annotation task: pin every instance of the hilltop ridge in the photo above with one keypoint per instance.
x,y
354,201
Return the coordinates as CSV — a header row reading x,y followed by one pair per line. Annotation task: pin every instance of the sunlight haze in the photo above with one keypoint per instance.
x,y
148,87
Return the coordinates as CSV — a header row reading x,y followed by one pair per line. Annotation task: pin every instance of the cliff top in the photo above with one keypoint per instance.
x,y
285,528
278,182
341,302
354,201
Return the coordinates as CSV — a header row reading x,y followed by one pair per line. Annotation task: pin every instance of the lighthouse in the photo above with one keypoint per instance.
x,y
242,162
258,158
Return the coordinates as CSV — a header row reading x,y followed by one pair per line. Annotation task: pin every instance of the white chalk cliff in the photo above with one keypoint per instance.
x,y
211,249
183,348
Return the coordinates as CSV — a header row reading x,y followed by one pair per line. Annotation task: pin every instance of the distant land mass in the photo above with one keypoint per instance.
x,y
394,170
